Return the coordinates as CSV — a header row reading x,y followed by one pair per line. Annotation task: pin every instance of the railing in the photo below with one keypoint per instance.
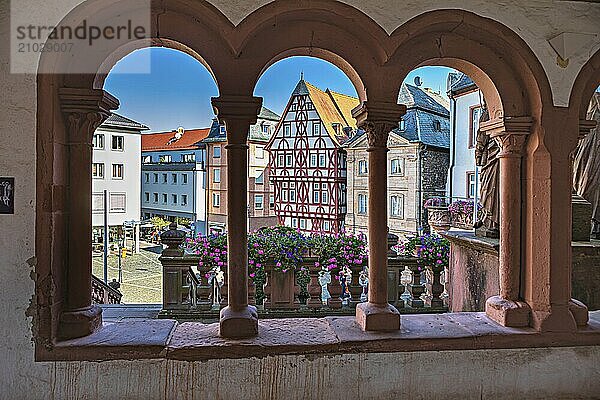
x,y
193,291
103,293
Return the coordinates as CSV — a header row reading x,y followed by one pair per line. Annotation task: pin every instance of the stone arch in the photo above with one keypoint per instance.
x,y
585,85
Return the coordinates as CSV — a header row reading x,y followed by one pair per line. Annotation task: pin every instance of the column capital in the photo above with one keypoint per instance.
x,y
585,126
85,110
378,119
509,132
238,113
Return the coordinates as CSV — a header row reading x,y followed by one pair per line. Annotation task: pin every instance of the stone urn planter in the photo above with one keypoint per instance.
x,y
281,289
462,221
438,218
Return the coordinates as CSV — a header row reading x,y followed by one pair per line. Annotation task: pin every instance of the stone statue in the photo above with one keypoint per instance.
x,y
324,280
486,157
586,165
345,281
363,281
216,279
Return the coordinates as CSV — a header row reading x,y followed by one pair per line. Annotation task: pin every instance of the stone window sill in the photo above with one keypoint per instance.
x,y
159,339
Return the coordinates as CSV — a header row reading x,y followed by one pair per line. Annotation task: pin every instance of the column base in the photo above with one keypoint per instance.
x,y
239,323
373,317
580,312
509,313
557,318
78,323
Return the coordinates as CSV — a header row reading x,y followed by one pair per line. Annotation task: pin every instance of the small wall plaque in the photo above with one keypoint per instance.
x,y
7,195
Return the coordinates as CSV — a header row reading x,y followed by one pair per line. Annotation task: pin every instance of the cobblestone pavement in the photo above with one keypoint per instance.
x,y
142,274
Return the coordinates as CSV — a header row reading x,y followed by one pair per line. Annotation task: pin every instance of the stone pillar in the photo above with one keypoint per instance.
x,y
84,110
238,319
511,134
378,119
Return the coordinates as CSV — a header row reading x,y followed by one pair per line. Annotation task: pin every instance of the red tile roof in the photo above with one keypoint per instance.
x,y
160,141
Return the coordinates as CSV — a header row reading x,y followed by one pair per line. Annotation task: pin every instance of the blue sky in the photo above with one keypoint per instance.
x,y
178,89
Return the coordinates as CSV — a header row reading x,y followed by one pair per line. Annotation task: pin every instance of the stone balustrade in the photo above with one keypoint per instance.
x,y
103,293
192,291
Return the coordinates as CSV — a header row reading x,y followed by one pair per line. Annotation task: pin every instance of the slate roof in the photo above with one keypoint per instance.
x,y
422,110
463,83
115,120
414,97
162,141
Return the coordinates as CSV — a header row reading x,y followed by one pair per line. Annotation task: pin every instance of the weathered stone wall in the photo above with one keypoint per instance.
x,y
586,274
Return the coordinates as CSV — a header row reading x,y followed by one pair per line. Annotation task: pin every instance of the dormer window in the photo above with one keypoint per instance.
x,y
222,130
337,128
402,125
437,126
265,128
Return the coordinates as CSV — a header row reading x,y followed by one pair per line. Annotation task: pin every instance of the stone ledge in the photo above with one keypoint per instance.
x,y
164,339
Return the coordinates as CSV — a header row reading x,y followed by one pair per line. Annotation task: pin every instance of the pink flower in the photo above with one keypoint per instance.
x,y
260,252
252,275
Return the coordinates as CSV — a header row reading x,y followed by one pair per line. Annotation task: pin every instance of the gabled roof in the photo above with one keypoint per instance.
x,y
419,126
115,120
414,97
333,108
161,141
462,84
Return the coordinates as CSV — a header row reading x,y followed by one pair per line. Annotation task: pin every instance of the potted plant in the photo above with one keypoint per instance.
x,y
438,215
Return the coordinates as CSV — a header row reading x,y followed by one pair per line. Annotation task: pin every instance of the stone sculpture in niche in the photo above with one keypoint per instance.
x,y
486,158
586,165
363,281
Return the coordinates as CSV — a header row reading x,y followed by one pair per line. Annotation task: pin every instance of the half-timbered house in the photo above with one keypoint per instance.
x,y
307,162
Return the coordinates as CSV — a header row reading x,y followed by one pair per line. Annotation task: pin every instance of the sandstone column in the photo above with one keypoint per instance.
x,y
84,110
238,319
378,119
511,134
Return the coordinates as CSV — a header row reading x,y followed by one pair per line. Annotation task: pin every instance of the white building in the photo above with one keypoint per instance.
x,y
465,110
116,166
173,176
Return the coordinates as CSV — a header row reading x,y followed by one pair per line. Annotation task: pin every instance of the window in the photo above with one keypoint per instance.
x,y
118,143
223,130
313,160
326,226
316,128
174,178
216,199
362,203
265,129
337,128
164,198
294,107
324,194
271,201
474,115
302,223
287,130
98,170
188,157
437,126
397,206
164,178
288,160
184,199
217,175
284,194
155,197
146,197
174,198
98,141
259,152
184,179
294,222
117,202
97,203
117,171
147,159
165,158
292,194
316,192
146,177
471,185
258,202
402,125
321,160
280,161
363,167
217,152
397,166
260,178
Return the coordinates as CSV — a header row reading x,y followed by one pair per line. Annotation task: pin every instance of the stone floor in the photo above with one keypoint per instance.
x,y
142,274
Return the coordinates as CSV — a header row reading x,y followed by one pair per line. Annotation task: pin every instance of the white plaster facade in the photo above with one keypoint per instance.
x,y
500,374
120,175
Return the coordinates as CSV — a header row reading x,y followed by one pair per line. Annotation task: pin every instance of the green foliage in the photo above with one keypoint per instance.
x,y
431,250
159,223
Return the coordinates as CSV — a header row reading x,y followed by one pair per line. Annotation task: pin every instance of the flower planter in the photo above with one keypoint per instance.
x,y
280,289
438,218
462,221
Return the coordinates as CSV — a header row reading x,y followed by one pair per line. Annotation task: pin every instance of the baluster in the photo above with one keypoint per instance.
x,y
435,288
415,288
296,287
335,289
251,292
268,288
355,288
314,288
204,289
